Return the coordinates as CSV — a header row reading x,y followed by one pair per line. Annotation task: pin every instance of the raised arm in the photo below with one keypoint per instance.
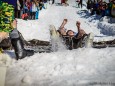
x,y
81,32
63,23
78,26
62,29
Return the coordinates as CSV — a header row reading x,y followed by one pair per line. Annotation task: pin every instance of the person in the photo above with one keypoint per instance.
x,y
33,10
80,3
89,5
113,9
18,9
95,6
53,1
76,37
17,42
110,5
62,1
71,33
37,12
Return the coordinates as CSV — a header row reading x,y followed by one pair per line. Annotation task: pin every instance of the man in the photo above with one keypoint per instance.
x,y
80,3
71,33
53,1
18,13
76,37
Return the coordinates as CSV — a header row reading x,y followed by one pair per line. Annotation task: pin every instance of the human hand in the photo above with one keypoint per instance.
x,y
78,24
65,21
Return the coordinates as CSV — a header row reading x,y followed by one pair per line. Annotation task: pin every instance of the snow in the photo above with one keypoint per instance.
x,y
107,29
78,67
64,68
5,60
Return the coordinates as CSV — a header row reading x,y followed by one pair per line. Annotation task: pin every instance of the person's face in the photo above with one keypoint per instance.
x,y
71,33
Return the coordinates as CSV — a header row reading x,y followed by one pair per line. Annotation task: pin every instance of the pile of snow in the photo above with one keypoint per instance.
x,y
102,29
107,28
5,60
71,2
64,68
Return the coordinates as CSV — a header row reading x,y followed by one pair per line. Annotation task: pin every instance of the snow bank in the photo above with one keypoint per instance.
x,y
106,28
63,68
5,60
102,30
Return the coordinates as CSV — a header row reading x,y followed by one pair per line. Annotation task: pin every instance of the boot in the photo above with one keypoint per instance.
x,y
18,45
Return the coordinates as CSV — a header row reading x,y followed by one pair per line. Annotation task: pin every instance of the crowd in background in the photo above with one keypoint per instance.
x,y
101,7
29,9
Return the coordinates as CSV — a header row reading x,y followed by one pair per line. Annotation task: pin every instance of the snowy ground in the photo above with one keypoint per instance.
x,y
80,67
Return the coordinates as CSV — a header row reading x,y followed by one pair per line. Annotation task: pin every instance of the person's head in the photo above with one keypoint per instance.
x,y
70,33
